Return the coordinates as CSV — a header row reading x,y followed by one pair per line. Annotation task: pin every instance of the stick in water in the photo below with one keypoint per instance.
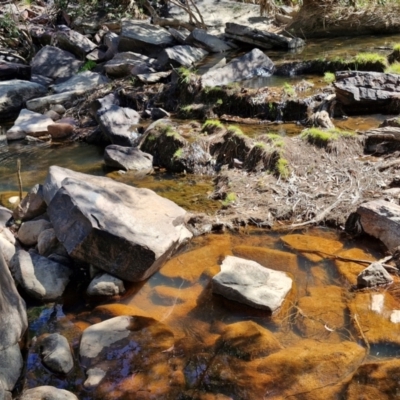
x,y
19,178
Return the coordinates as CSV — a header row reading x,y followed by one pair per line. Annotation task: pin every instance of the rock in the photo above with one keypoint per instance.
x,y
374,275
5,215
153,77
10,71
122,64
128,158
7,244
74,42
248,282
40,104
104,103
247,341
14,94
260,38
200,38
40,277
42,80
13,318
53,115
382,140
55,63
81,82
47,393
31,206
61,130
248,66
381,219
111,41
116,124
96,55
143,38
105,285
180,55
94,377
29,231
48,244
159,113
179,35
366,92
115,226
56,353
29,123
395,122
11,364
112,344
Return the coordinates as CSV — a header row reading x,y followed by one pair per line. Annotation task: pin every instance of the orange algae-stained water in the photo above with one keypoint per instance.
x,y
321,344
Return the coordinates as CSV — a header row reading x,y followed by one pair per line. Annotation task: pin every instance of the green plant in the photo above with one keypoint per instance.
x,y
317,135
393,68
235,130
211,125
329,77
88,66
288,89
369,58
229,199
184,74
8,27
219,102
396,47
282,167
187,109
261,145
276,139
178,153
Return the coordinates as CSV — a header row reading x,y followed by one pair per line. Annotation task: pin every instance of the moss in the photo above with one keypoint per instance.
x,y
178,153
219,102
329,77
187,109
282,167
184,74
211,125
276,139
229,199
317,135
235,130
393,68
211,89
362,60
261,145
396,47
289,89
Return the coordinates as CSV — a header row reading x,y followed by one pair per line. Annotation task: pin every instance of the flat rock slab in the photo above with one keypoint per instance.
x,y
248,282
29,123
82,82
54,63
123,230
40,104
40,277
14,94
365,92
381,219
181,55
248,66
56,353
10,71
74,42
47,393
213,44
143,38
122,63
260,38
128,158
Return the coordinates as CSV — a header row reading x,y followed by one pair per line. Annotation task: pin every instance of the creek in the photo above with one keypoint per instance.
x,y
202,363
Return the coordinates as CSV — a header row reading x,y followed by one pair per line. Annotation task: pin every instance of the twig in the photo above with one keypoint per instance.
x,y
19,178
361,332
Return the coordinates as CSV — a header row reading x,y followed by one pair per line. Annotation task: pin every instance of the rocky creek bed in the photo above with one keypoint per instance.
x,y
229,291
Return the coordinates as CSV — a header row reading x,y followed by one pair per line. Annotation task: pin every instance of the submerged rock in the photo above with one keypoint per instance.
x,y
47,393
105,285
248,282
374,275
128,158
123,230
252,64
56,353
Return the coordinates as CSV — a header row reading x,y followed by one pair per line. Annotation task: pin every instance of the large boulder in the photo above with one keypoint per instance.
x,y
40,277
29,123
366,92
55,63
14,94
144,38
74,42
123,230
248,66
250,283
128,158
116,124
81,82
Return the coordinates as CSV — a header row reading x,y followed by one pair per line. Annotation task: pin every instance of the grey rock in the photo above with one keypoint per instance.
x,y
53,115
128,158
54,63
42,80
14,94
95,375
74,42
40,277
42,103
11,364
153,77
116,124
180,55
58,108
159,113
47,393
381,220
105,285
248,66
31,206
250,283
123,63
109,224
111,41
10,71
7,244
103,103
144,38
29,231
81,82
374,275
29,123
179,35
13,318
200,38
56,353
5,215
48,244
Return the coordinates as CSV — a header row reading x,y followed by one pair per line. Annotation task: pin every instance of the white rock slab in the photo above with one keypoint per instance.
x,y
81,82
250,283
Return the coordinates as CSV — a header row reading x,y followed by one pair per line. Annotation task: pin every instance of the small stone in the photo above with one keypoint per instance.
x,y
29,231
56,353
53,115
374,275
105,285
95,375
